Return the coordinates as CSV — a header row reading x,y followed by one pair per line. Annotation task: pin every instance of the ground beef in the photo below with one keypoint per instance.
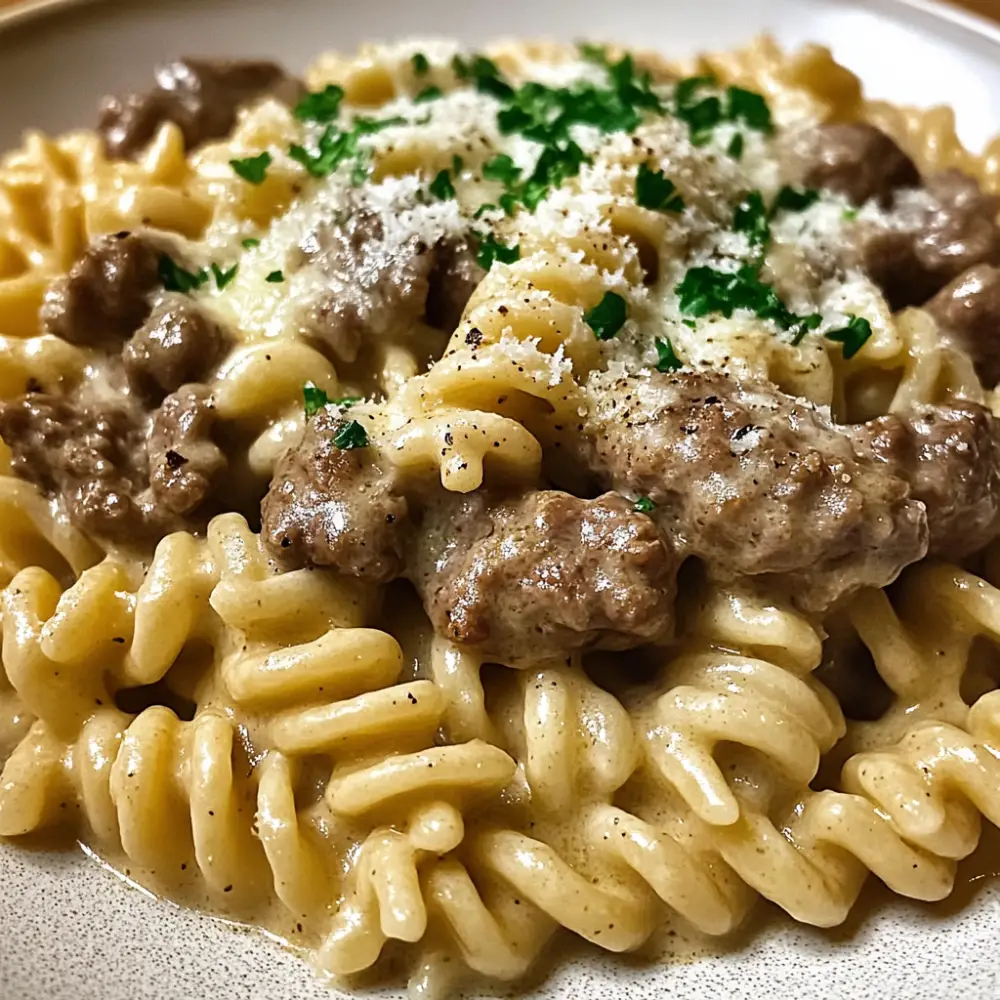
x,y
105,295
330,506
453,279
968,313
375,286
753,482
92,455
542,575
185,464
857,160
957,232
200,96
177,344
96,457
950,456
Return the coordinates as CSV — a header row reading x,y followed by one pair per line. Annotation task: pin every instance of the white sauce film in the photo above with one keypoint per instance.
x,y
366,757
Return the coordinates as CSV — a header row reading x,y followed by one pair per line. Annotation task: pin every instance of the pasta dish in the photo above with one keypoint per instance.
x,y
458,498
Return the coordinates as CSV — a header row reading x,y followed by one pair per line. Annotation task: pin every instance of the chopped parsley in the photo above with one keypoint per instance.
x,y
608,316
334,146
850,214
594,53
854,336
751,218
644,506
176,279
655,190
490,250
791,199
274,277
735,147
250,244
457,164
346,401
253,169
313,398
705,290
442,187
351,435
321,106
750,108
502,168
704,114
429,94
666,359
483,74
222,278
421,67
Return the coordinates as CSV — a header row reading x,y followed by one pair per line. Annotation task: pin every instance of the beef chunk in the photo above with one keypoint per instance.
x,y
200,96
374,285
950,456
858,161
753,482
544,574
377,285
330,506
92,455
452,281
100,457
184,462
968,313
105,296
956,233
176,344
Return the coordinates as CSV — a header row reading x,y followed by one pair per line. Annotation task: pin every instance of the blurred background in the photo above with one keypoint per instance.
x,y
987,8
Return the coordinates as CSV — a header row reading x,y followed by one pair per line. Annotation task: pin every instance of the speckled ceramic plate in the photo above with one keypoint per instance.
x,y
69,930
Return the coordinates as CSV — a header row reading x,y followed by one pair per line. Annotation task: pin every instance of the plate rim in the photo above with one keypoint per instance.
x,y
39,12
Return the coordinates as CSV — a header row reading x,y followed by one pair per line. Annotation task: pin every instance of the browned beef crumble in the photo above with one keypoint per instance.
x,y
200,96
754,482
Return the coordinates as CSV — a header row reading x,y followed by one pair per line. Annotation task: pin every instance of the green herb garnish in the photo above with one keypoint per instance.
x,y
854,336
850,214
735,147
314,398
250,243
490,250
429,94
792,199
222,278
667,360
253,169
334,147
751,218
703,114
644,506
274,277
351,435
457,164
442,187
321,106
176,279
346,401
608,316
502,168
705,290
750,108
655,190
594,53
421,67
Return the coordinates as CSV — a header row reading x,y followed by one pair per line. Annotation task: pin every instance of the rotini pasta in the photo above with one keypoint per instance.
x,y
630,548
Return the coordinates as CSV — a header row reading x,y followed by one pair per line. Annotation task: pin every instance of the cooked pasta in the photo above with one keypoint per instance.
x,y
463,497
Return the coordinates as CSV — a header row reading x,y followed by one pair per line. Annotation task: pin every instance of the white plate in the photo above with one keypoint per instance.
x,y
68,929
